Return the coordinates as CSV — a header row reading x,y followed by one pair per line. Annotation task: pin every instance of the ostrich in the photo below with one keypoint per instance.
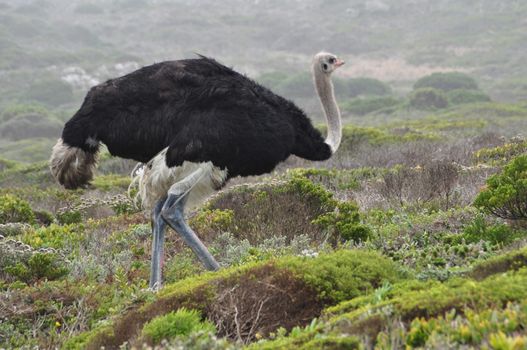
x,y
195,123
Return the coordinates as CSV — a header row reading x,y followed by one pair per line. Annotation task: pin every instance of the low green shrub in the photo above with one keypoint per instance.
x,y
479,229
215,219
44,217
363,106
462,96
501,154
428,99
121,207
15,110
6,164
431,243
344,274
38,266
510,261
31,150
182,322
55,236
30,126
13,229
506,193
293,207
69,217
447,81
200,340
13,209
298,85
50,91
487,110
429,301
497,327
182,266
344,223
310,341
111,181
364,86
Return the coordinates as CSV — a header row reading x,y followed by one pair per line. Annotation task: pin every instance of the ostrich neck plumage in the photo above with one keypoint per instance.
x,y
326,95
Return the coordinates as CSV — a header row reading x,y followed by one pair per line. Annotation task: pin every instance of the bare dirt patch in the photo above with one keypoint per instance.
x,y
260,302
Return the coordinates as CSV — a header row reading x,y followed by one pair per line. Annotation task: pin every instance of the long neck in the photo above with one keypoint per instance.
x,y
326,95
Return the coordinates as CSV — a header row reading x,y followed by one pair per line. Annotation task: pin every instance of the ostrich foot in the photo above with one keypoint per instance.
x,y
172,213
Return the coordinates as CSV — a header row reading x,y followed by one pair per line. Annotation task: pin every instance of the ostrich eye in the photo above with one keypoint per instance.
x,y
332,60
325,66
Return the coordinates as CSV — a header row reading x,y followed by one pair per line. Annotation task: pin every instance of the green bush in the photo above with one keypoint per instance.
x,y
495,234
461,96
29,126
257,213
506,193
344,274
69,217
272,79
501,154
39,266
511,261
30,151
13,209
182,322
16,110
215,219
495,326
362,106
410,300
6,164
428,99
299,85
55,236
50,91
364,86
344,223
447,81
111,181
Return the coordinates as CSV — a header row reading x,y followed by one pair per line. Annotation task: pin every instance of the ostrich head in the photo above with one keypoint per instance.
x,y
326,62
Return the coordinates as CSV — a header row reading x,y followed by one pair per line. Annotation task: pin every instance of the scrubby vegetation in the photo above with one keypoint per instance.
x,y
386,245
506,193
447,82
412,236
176,324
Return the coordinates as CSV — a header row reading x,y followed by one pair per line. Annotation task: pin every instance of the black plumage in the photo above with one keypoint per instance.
x,y
202,111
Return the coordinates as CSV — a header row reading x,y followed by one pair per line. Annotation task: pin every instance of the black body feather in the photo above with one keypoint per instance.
x,y
199,109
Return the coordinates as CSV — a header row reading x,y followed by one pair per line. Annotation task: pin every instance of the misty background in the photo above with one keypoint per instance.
x,y
52,52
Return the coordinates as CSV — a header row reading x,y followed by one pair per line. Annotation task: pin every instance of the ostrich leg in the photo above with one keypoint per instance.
x,y
158,241
173,214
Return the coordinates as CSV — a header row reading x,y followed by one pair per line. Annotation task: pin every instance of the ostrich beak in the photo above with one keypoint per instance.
x,y
339,63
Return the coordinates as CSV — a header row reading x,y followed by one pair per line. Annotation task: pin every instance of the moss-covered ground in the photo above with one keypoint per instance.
x,y
380,247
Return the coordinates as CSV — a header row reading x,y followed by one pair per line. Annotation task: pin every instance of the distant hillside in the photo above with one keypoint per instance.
x,y
81,42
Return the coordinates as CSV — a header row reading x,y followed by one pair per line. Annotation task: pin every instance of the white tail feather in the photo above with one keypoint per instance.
x,y
71,166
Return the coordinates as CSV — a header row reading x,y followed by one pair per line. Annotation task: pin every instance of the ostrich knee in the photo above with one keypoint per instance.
x,y
174,217
173,209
